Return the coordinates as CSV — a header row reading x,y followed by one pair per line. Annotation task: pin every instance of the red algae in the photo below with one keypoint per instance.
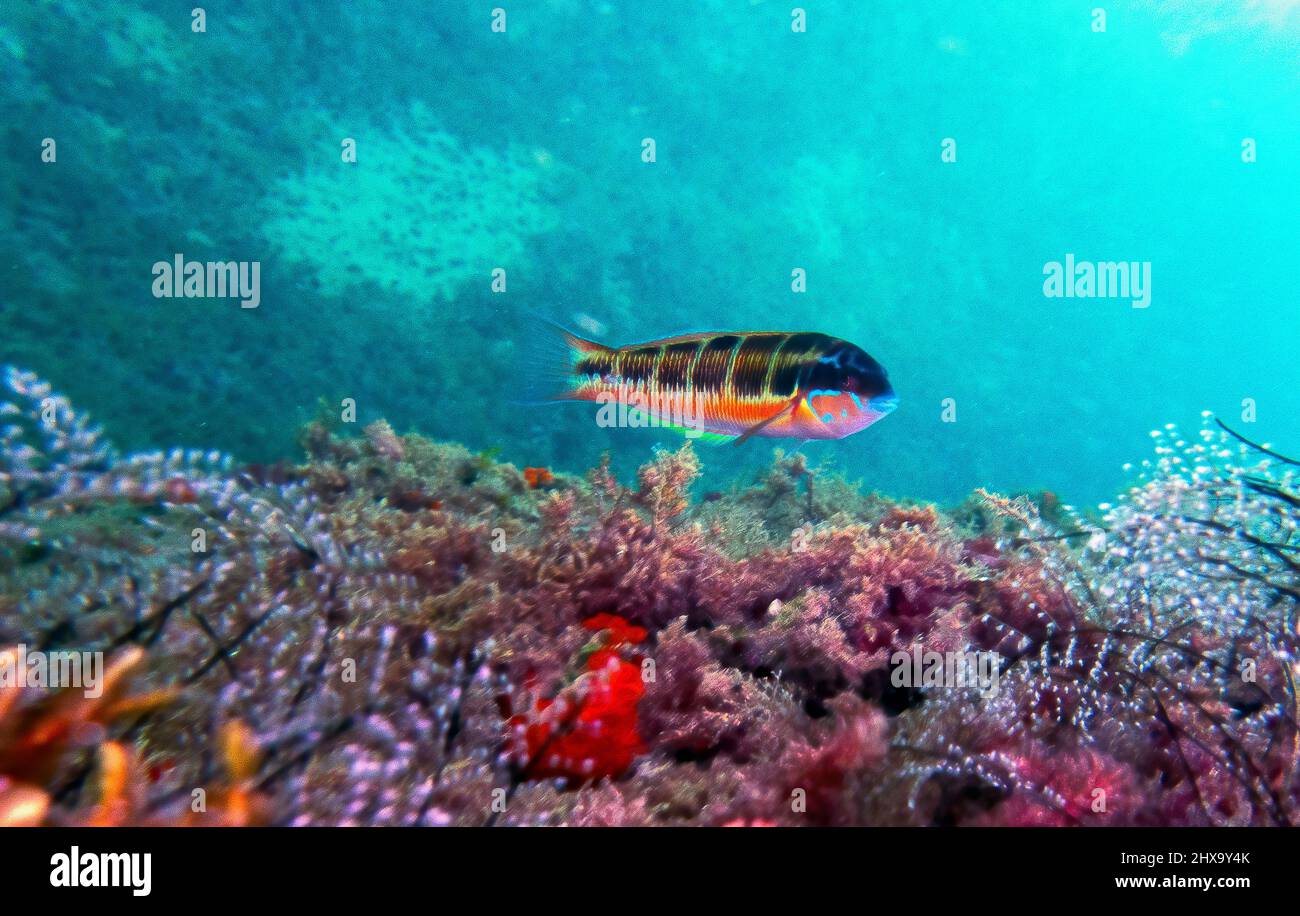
x,y
538,477
420,635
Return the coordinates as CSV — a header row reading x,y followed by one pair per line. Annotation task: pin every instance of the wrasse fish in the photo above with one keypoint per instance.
x,y
735,384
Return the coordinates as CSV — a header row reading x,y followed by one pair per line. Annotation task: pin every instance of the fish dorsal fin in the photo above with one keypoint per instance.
x,y
772,419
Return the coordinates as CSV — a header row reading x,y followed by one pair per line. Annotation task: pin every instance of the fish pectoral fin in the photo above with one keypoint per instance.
x,y
772,419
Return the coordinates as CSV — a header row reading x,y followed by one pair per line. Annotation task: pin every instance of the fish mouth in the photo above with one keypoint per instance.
x,y
883,403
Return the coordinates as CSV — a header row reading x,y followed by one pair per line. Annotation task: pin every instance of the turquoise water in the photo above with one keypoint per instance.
x,y
775,149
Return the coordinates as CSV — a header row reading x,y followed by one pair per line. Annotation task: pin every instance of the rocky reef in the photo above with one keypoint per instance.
x,y
398,631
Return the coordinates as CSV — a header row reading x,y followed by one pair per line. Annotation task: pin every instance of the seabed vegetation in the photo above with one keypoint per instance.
x,y
393,630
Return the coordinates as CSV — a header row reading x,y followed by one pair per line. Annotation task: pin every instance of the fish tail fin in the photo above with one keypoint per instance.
x,y
549,355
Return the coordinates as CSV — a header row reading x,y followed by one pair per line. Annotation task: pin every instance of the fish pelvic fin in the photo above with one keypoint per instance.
x,y
743,437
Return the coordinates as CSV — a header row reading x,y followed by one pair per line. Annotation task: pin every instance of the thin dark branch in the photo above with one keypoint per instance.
x,y
1255,445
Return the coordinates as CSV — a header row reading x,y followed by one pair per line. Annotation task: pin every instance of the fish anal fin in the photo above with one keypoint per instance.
x,y
699,435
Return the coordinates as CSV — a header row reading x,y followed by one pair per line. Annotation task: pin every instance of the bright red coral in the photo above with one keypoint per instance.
x,y
589,731
620,632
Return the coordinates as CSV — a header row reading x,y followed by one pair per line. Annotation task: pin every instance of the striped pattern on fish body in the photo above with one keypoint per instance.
x,y
777,384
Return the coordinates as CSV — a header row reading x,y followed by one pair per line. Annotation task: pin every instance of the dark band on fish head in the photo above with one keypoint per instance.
x,y
798,352
845,367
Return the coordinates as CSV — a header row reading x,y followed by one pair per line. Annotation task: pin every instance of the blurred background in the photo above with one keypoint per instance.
x,y
775,150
